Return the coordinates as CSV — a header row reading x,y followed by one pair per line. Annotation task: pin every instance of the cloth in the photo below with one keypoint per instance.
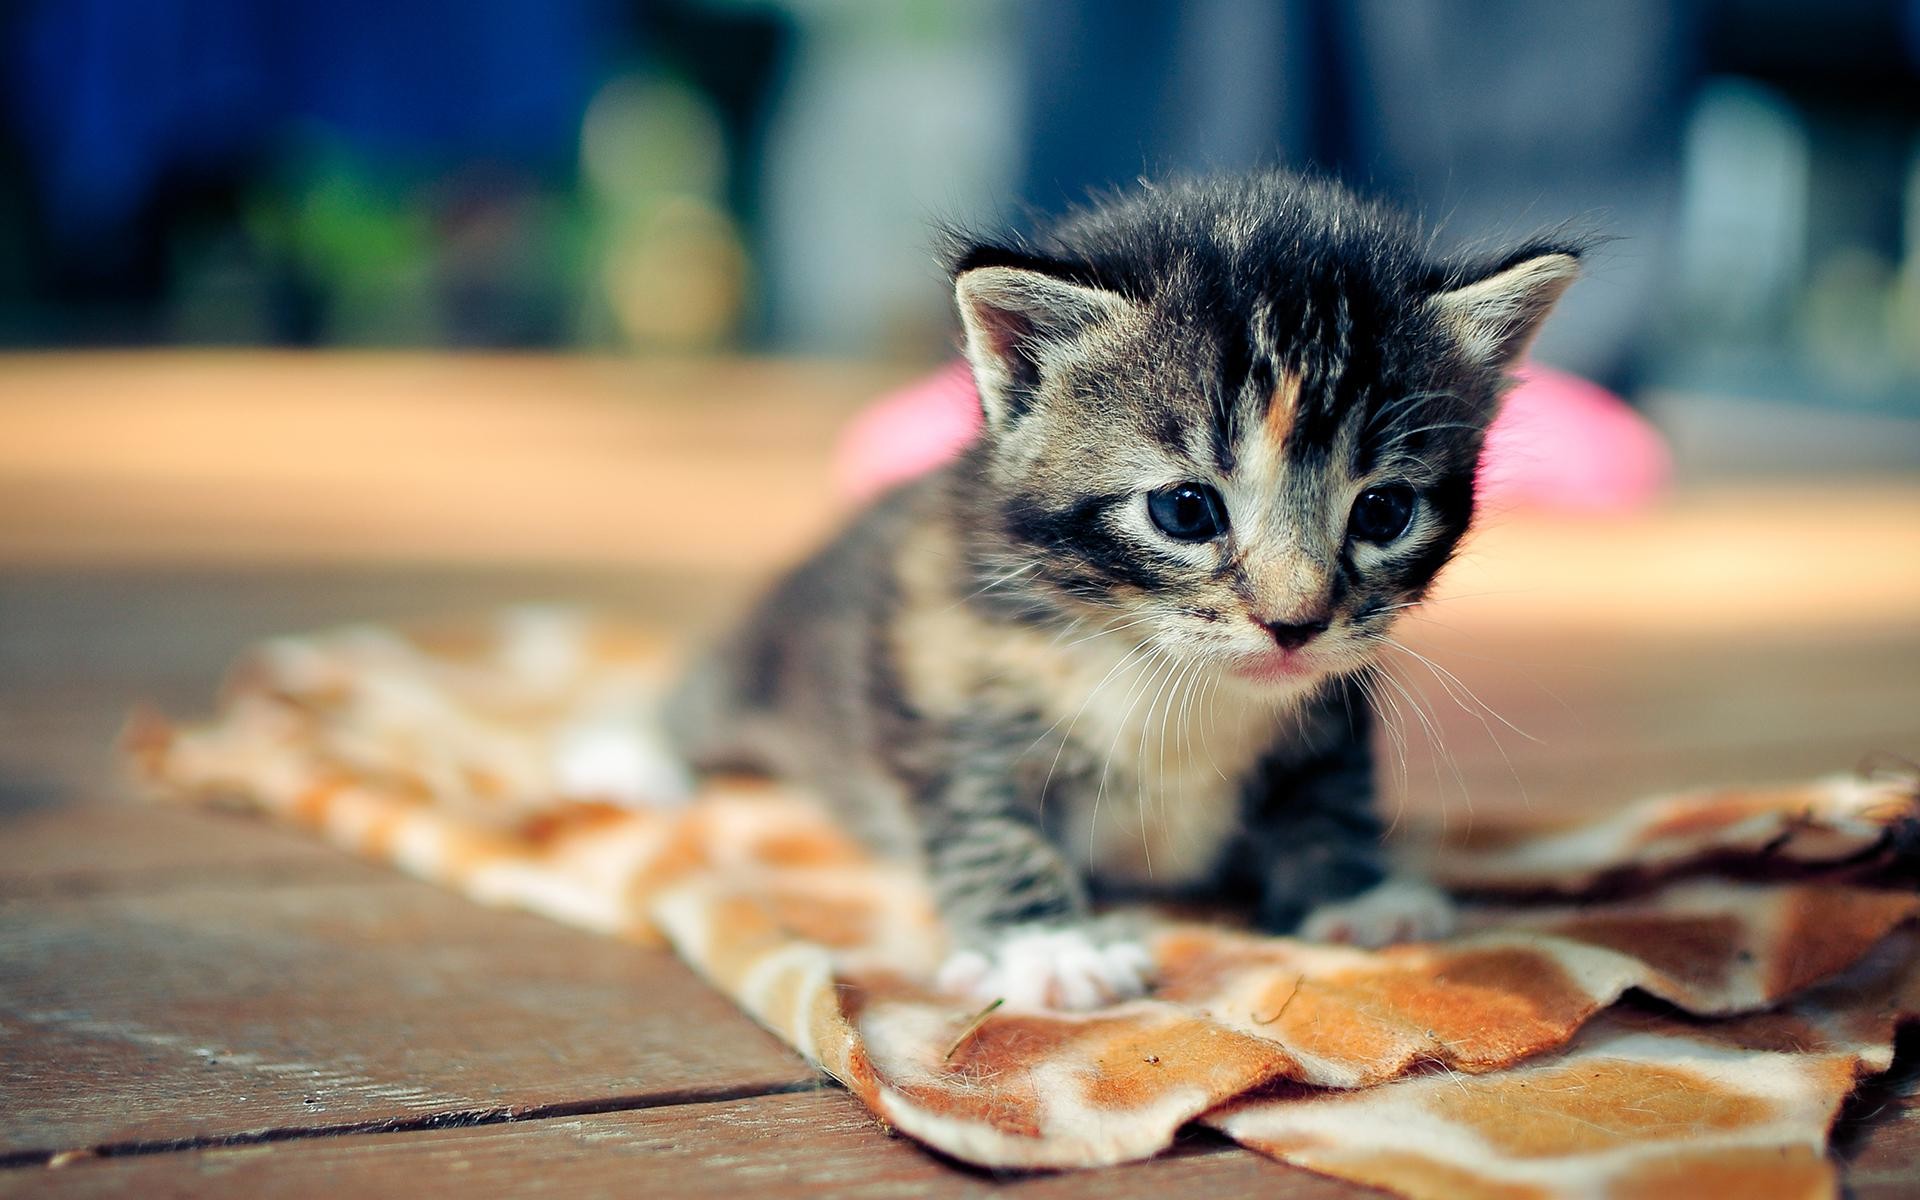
x,y
1673,1000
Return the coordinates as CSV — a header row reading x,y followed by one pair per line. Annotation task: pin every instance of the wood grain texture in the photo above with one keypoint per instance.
x,y
814,1144
71,850
1545,729
230,1007
1887,1161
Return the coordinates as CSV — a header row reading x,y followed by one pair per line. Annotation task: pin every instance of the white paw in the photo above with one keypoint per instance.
x,y
1050,967
1399,910
622,762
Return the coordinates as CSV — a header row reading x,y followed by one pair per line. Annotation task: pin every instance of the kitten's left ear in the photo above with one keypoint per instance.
x,y
1495,318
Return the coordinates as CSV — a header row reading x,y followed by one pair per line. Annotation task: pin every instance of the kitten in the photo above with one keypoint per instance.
x,y
1231,433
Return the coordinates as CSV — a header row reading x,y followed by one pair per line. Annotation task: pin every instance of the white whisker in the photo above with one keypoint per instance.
x,y
1106,766
1068,735
1437,746
1449,682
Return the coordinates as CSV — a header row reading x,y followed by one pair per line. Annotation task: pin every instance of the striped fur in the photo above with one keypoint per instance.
x,y
1009,675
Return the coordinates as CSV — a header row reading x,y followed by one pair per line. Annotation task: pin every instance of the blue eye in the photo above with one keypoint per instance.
x,y
1188,512
1382,514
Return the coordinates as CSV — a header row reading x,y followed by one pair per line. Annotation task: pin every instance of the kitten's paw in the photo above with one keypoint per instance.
x,y
1034,966
619,761
1399,910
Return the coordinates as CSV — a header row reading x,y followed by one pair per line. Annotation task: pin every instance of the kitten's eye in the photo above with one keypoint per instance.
x,y
1190,512
1381,514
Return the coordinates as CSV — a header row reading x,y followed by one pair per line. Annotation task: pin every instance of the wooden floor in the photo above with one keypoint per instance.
x,y
199,1004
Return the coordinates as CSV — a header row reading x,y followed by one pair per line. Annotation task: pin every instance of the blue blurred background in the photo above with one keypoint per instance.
x,y
701,175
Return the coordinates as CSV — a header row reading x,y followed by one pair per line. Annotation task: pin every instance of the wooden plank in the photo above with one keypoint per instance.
x,y
1640,714
79,849
1886,1160
813,1144
290,457
809,1143
224,1008
179,627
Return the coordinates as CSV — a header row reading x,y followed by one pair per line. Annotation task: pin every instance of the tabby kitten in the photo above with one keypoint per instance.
x,y
1231,434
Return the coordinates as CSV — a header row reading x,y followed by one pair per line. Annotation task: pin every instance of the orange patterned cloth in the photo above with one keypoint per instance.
x,y
1674,1000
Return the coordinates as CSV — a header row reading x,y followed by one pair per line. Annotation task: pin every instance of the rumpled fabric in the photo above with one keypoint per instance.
x,y
1673,999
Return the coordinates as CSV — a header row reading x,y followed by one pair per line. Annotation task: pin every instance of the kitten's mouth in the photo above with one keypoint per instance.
x,y
1273,666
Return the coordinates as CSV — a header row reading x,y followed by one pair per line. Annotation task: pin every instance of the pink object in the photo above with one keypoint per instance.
x,y
1567,443
1560,442
908,432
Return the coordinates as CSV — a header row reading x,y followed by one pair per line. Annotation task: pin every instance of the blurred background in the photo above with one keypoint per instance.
x,y
327,310
706,176
321,312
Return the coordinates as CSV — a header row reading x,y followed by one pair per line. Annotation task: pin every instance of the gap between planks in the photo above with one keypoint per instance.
x,y
456,1119
150,881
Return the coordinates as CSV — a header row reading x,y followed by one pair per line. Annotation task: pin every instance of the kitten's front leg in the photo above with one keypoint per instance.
x,y
1319,858
1018,913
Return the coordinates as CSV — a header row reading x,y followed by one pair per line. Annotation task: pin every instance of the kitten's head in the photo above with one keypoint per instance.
x,y
1239,418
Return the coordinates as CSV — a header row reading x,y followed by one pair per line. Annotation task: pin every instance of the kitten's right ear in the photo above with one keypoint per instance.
x,y
1016,320
1496,317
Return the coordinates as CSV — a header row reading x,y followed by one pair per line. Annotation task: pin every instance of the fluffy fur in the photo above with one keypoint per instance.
x,y
1014,674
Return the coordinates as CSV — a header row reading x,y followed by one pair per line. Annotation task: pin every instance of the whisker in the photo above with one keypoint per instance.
x,y
1110,627
1140,791
1444,748
997,581
1068,735
1436,744
1192,685
1395,727
1180,691
1106,766
1441,673
1206,720
1526,669
1402,404
1443,676
1406,435
1143,795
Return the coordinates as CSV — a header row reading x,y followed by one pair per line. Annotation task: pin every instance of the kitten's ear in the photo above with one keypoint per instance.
x,y
1015,319
1495,318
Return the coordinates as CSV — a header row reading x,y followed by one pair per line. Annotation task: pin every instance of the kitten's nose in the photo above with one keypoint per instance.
x,y
1291,635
